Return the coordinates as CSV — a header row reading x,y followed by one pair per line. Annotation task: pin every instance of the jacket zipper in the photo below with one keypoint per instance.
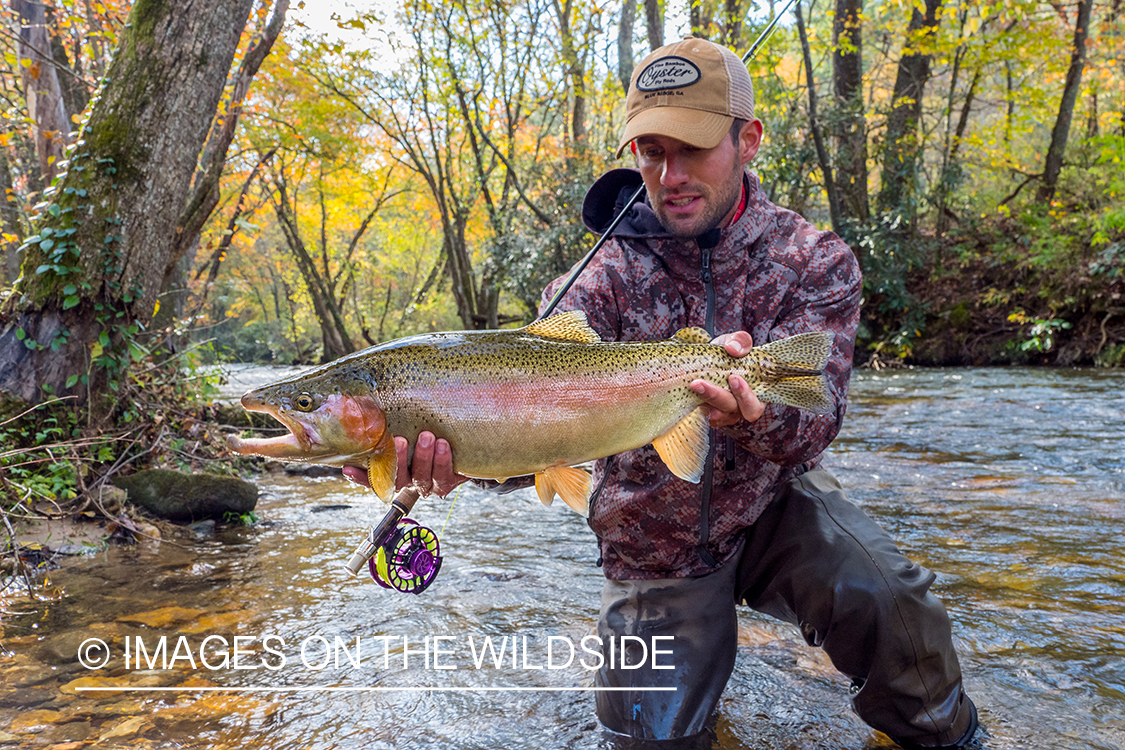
x,y
709,467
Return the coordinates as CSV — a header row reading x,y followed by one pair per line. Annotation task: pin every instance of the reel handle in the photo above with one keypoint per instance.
x,y
400,506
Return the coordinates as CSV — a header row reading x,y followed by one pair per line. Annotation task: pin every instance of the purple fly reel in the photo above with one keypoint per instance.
x,y
409,561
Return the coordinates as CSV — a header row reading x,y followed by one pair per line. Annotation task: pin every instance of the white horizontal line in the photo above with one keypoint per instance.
x,y
424,688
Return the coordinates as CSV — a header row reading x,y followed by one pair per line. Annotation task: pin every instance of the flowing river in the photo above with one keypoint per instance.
x,y
1009,483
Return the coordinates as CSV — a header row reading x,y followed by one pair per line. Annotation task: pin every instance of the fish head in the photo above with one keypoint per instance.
x,y
331,420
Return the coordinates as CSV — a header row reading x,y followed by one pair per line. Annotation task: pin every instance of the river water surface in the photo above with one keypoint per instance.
x,y
1010,483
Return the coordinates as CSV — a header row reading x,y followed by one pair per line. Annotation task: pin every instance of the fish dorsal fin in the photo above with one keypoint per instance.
x,y
567,326
572,485
684,447
693,335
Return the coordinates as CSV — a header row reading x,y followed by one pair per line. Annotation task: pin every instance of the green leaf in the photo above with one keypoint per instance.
x,y
42,269
71,381
70,289
69,302
20,334
54,209
46,245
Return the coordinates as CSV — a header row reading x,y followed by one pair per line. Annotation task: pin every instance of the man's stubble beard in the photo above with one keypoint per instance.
x,y
719,204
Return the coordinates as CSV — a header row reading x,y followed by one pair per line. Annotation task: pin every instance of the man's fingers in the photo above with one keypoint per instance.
x,y
422,467
402,476
748,404
713,395
357,475
444,478
729,407
737,344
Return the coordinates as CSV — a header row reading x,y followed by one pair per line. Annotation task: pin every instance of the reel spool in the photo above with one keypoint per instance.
x,y
409,561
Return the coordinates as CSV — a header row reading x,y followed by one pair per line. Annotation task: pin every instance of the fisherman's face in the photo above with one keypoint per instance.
x,y
691,189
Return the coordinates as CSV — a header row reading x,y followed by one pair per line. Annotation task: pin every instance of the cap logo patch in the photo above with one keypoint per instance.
x,y
668,73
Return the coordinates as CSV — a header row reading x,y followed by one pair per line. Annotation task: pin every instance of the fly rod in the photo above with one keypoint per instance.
x,y
635,198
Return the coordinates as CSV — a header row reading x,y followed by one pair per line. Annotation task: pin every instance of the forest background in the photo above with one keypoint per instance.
x,y
230,180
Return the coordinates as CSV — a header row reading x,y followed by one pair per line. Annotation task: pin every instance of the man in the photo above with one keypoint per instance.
x,y
766,526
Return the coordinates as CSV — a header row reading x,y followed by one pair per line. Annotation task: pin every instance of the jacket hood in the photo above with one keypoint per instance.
x,y
605,199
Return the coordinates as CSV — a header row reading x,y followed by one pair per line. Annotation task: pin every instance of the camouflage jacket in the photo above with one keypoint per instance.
x,y
772,274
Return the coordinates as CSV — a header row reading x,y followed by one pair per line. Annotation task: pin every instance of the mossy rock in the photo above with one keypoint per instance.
x,y
184,498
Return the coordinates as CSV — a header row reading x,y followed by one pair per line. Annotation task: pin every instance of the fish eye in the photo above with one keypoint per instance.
x,y
304,402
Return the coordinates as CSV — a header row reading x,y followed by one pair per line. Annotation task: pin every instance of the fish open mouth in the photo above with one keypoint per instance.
x,y
298,444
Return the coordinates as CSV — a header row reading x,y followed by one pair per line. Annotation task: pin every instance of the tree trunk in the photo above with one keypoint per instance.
x,y
654,24
700,15
851,129
205,183
625,43
901,148
1061,132
11,228
321,287
575,71
91,275
49,121
814,124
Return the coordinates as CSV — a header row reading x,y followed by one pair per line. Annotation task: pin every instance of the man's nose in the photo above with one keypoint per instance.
x,y
675,171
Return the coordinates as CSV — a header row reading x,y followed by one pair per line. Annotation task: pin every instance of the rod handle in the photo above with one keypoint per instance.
x,y
400,506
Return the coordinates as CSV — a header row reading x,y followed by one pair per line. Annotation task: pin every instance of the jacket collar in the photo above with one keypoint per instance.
x,y
609,194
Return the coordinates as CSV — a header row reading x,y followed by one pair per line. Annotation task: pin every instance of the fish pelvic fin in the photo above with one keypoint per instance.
x,y
571,484
684,447
382,468
798,364
567,326
693,335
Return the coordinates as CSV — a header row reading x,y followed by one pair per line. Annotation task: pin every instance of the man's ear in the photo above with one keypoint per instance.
x,y
749,140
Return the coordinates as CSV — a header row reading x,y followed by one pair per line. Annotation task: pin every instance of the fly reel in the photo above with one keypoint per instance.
x,y
409,560
401,554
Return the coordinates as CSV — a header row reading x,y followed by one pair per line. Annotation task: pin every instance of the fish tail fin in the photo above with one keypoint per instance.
x,y
798,364
684,447
573,485
806,353
809,392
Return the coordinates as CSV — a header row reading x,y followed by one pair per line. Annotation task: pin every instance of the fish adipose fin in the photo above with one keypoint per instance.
x,y
800,361
572,485
382,467
567,326
684,447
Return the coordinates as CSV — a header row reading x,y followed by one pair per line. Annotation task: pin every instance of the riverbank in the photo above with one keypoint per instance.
x,y
998,293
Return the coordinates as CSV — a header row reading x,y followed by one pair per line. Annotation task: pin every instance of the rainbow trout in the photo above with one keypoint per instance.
x,y
535,400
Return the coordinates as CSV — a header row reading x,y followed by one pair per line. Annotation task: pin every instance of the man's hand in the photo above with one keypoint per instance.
x,y
730,407
431,471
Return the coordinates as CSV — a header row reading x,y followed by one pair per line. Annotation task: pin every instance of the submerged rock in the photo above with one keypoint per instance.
x,y
182,497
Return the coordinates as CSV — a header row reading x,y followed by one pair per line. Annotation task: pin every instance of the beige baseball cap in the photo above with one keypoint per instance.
x,y
691,90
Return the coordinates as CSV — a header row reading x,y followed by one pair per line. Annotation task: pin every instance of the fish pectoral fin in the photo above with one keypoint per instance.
x,y
572,485
382,468
684,447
